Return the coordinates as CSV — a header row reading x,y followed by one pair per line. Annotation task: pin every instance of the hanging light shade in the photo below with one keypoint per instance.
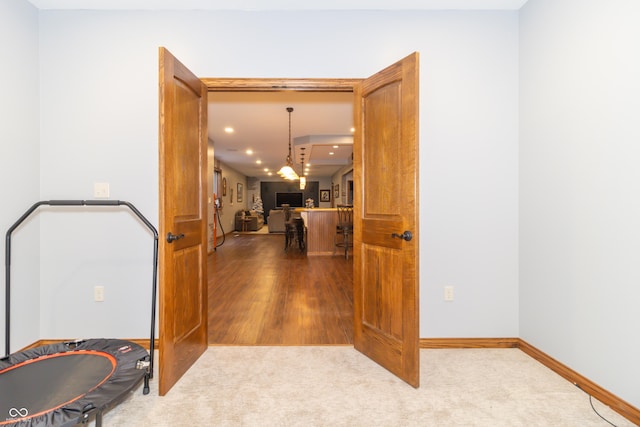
x,y
287,171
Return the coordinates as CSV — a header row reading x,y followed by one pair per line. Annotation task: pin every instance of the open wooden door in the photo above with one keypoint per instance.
x,y
183,220
386,322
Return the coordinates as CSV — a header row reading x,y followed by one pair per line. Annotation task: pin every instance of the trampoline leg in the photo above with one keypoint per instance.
x,y
145,389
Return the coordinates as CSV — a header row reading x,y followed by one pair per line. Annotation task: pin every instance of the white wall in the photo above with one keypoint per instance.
x,y
99,123
229,209
339,178
19,174
324,183
579,187
468,178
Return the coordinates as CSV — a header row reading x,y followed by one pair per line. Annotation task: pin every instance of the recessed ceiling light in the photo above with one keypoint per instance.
x,y
270,173
229,129
259,161
249,151
353,130
266,169
331,153
335,146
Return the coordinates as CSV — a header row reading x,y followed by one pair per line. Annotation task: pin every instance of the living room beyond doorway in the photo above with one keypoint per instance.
x,y
261,295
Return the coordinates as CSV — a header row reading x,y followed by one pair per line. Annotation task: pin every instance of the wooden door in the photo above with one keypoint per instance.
x,y
183,220
386,321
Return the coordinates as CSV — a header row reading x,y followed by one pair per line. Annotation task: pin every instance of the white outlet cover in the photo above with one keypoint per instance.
x,y
448,293
98,293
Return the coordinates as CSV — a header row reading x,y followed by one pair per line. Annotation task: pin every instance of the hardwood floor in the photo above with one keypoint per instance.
x,y
261,295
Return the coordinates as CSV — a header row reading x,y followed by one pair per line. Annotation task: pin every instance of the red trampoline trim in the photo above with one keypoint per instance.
x,y
51,356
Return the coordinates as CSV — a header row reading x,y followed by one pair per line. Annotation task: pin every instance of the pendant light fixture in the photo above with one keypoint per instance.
x,y
303,179
287,171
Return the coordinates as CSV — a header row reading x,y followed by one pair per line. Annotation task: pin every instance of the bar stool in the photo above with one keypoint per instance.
x,y
289,227
344,229
294,229
301,233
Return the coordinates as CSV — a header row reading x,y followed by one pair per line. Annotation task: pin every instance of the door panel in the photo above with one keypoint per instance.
x,y
386,321
183,276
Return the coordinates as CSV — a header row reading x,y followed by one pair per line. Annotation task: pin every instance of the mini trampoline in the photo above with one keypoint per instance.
x,y
69,383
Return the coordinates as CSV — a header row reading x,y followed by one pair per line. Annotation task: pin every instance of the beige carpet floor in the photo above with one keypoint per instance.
x,y
337,386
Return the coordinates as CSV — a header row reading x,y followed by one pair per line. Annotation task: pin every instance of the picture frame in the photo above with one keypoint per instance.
x,y
224,186
239,192
325,195
336,192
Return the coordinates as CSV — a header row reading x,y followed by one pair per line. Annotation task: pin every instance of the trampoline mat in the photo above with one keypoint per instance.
x,y
58,387
60,379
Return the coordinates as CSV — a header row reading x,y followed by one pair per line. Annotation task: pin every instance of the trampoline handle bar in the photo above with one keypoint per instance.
x,y
82,203
85,202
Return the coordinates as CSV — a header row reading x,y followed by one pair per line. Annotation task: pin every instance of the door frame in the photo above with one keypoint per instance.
x,y
215,84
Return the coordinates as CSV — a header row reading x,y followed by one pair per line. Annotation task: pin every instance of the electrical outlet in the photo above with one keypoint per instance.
x,y
448,293
98,293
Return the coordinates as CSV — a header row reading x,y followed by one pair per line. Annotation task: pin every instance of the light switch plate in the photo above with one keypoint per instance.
x,y
101,190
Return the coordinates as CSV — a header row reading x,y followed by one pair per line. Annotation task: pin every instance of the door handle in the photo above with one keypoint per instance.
x,y
407,235
172,237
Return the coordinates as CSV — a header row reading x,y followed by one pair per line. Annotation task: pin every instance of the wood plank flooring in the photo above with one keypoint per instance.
x,y
261,295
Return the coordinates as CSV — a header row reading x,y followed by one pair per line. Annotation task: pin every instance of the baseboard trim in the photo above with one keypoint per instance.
x,y
614,402
469,342
625,409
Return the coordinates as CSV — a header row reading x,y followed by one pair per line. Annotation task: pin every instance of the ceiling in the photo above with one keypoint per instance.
x,y
280,4
321,123
320,120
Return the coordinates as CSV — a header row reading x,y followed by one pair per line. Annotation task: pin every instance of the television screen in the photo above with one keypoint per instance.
x,y
295,200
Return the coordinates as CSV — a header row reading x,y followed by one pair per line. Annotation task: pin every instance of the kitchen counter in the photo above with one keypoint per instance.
x,y
321,229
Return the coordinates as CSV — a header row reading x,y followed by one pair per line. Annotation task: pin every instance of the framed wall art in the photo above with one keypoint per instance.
x,y
239,192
